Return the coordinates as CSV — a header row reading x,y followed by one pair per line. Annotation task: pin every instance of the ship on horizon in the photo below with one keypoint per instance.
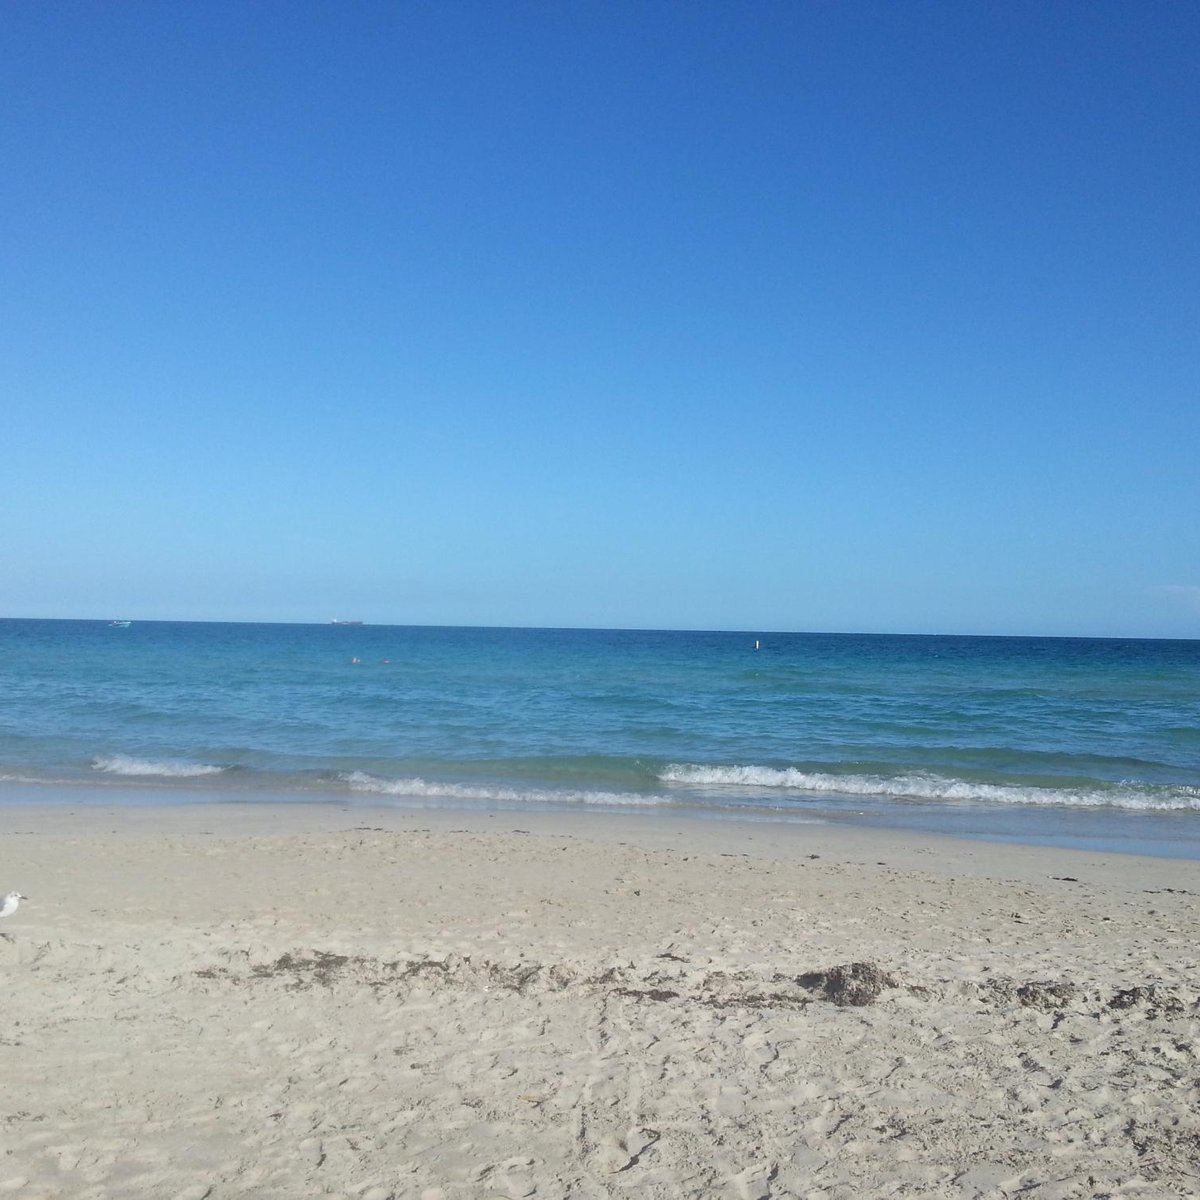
x,y
339,621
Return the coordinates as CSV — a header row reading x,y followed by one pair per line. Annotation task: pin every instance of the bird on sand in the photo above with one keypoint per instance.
x,y
9,904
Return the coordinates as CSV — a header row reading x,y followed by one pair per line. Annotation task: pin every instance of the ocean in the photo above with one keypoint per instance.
x,y
1058,741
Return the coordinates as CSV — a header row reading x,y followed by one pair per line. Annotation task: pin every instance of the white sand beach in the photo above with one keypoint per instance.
x,y
288,1001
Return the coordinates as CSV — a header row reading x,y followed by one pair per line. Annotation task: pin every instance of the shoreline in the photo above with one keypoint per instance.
x,y
1161,835
756,837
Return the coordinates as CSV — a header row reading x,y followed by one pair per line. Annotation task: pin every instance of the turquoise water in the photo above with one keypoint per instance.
x,y
1074,741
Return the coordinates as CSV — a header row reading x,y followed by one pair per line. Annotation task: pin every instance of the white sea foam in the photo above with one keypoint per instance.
x,y
932,787
124,764
360,781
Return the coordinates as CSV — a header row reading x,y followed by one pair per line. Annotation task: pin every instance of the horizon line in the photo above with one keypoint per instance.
x,y
748,631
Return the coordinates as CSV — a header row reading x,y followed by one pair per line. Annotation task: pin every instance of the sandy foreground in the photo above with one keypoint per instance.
x,y
228,1001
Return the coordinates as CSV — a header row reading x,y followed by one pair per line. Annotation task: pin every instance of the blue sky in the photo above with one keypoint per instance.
x,y
763,316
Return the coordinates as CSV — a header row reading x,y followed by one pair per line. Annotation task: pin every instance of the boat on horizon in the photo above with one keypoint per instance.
x,y
339,621
119,624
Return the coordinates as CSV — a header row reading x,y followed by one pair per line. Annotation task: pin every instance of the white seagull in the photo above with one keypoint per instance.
x,y
10,902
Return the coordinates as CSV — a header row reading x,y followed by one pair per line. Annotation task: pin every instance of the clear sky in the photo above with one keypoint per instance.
x,y
813,316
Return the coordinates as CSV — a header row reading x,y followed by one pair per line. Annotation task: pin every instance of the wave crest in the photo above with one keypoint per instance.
x,y
124,764
933,787
360,781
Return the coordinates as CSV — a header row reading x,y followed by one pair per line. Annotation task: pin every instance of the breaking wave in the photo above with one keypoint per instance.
x,y
934,787
124,764
415,788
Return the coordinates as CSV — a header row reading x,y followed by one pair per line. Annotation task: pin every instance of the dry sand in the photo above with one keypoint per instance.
x,y
223,1001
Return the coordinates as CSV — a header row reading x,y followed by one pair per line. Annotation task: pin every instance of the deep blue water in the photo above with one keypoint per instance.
x,y
1080,741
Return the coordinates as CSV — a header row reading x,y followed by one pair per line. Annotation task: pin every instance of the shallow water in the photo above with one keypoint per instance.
x,y
1066,741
